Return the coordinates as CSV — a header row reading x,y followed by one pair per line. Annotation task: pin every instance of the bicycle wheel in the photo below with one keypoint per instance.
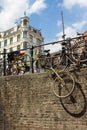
x,y
79,53
64,87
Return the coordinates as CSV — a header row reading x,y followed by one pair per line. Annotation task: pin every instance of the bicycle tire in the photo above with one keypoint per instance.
x,y
66,90
78,53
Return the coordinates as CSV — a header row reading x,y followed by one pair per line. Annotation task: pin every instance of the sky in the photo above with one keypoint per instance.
x,y
45,15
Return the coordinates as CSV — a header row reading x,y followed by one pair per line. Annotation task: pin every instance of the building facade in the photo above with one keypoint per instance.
x,y
21,36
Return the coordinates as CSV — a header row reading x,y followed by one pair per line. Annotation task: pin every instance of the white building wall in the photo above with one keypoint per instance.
x,y
15,31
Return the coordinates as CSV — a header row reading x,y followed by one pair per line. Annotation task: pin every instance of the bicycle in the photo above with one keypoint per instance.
x,y
64,82
70,61
79,49
17,64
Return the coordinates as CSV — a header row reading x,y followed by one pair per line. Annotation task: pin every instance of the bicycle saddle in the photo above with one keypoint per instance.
x,y
46,51
79,33
63,43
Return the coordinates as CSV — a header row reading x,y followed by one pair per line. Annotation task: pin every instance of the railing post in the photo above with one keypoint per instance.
x,y
4,62
31,66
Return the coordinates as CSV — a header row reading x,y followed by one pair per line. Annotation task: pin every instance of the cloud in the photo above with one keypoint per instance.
x,y
53,48
79,25
37,6
70,3
11,11
70,31
59,23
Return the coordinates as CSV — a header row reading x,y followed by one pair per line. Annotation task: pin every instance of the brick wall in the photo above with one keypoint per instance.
x,y
28,103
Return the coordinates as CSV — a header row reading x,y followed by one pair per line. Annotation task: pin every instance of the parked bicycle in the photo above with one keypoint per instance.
x,y
79,49
17,63
64,82
61,65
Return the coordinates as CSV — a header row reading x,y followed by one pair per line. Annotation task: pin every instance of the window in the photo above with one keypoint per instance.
x,y
25,45
35,31
0,44
38,41
5,43
18,27
25,22
25,34
18,47
31,38
4,33
11,40
18,37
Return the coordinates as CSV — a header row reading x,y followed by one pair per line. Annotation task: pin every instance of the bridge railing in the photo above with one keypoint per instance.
x,y
32,50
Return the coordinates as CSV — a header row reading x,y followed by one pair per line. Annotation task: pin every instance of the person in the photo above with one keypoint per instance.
x,y
36,59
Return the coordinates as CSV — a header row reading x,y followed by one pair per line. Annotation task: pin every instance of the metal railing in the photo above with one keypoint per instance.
x,y
62,42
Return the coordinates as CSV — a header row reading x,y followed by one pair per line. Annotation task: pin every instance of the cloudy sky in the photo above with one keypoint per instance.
x,y
46,16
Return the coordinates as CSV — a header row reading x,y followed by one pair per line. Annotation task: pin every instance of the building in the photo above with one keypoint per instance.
x,y
21,36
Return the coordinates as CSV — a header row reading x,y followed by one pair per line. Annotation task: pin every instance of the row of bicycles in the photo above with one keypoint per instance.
x,y
16,63
72,57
